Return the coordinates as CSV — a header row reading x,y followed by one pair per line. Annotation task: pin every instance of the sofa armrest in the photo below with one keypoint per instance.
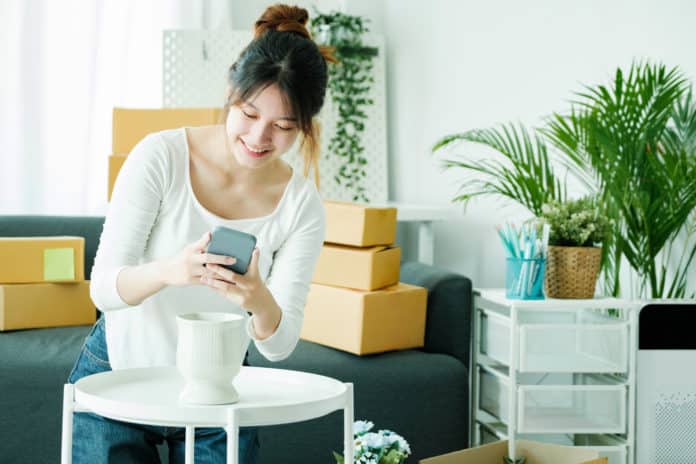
x,y
450,300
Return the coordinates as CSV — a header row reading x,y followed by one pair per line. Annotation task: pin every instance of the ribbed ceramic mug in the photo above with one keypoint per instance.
x,y
209,354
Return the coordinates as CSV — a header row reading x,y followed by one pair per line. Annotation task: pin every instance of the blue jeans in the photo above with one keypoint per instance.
x,y
97,439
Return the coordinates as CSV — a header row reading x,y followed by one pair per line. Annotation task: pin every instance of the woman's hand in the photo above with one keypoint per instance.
x,y
187,267
247,290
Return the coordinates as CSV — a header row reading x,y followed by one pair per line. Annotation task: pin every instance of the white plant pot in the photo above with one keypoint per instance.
x,y
209,354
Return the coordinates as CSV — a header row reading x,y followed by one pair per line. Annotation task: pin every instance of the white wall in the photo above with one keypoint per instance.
x,y
455,65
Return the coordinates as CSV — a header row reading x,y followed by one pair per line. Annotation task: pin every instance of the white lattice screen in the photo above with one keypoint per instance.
x,y
195,64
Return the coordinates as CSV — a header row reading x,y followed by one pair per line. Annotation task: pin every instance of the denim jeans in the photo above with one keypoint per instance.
x,y
97,439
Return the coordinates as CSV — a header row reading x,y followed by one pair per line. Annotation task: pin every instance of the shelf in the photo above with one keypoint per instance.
x,y
497,297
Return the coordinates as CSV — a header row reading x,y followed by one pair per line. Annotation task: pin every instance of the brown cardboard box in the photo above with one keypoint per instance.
x,y
41,259
358,268
359,225
115,164
365,322
30,306
131,125
535,452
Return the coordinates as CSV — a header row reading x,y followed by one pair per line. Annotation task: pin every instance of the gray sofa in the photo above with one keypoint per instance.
x,y
421,394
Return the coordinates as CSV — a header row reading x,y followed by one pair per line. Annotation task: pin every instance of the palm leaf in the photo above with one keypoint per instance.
x,y
525,174
633,141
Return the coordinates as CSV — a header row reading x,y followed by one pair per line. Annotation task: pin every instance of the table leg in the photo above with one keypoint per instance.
x,y
348,425
190,442
68,409
426,242
232,430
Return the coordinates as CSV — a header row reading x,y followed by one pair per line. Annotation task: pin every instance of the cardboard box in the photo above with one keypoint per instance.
x,y
535,452
359,225
115,164
131,125
359,268
31,306
41,259
366,322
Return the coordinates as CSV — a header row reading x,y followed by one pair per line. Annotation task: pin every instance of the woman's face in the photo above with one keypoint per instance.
x,y
261,129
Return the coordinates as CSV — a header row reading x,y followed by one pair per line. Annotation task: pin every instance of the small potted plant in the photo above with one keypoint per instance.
x,y
574,256
382,447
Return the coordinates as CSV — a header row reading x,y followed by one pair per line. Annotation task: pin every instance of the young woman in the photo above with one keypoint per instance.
x,y
174,188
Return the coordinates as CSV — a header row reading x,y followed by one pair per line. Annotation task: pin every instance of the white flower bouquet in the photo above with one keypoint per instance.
x,y
382,447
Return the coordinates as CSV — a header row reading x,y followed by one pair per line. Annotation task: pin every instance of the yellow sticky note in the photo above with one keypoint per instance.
x,y
59,264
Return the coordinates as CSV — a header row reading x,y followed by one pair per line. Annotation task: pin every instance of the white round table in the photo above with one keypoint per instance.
x,y
151,396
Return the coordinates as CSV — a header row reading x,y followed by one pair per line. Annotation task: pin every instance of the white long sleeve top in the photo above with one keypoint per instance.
x,y
154,213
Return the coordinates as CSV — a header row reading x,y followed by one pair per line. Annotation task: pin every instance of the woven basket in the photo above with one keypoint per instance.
x,y
571,272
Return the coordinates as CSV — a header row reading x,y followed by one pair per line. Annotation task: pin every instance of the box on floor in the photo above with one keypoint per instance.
x,y
33,306
534,452
363,322
359,225
41,259
359,268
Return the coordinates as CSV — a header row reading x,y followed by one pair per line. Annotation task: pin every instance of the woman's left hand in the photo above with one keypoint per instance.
x,y
247,290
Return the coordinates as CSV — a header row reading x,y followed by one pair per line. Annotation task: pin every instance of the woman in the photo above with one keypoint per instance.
x,y
174,188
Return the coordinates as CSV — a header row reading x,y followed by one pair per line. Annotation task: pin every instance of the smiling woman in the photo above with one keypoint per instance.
x,y
176,185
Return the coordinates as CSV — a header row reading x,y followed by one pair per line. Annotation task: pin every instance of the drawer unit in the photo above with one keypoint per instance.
x,y
486,434
607,447
493,394
572,409
554,408
555,371
495,336
557,342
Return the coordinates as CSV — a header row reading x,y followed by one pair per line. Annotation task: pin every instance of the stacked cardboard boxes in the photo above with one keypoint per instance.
x,y
42,283
356,302
132,125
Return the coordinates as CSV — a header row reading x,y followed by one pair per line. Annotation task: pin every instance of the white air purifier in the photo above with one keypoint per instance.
x,y
666,384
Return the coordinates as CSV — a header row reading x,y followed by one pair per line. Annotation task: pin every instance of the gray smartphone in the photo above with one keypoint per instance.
x,y
230,242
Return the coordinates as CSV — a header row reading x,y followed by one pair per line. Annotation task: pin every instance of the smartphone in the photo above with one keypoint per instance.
x,y
230,242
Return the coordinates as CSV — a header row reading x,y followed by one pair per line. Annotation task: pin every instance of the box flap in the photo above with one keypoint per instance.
x,y
535,452
370,249
492,453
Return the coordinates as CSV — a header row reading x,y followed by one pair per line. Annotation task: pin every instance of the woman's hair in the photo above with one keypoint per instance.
x,y
283,53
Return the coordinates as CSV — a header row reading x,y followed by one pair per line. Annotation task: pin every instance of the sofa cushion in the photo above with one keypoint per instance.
x,y
34,366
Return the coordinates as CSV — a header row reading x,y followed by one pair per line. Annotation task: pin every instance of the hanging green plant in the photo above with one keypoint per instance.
x,y
350,81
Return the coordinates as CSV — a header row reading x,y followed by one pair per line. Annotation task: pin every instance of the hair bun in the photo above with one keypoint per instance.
x,y
283,18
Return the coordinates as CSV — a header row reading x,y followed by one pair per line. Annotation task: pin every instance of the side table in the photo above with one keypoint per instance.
x,y
151,396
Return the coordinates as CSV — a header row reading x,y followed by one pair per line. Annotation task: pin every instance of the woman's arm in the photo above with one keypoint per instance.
x,y
118,278
135,283
288,283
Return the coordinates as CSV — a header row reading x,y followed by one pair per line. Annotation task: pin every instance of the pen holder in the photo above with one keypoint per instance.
x,y
524,278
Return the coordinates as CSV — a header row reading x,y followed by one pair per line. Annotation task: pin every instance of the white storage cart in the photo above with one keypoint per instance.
x,y
559,371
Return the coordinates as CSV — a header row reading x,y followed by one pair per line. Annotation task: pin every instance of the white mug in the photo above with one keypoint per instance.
x,y
209,354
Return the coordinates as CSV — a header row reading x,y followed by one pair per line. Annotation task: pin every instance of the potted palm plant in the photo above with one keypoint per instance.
x,y
632,144
578,229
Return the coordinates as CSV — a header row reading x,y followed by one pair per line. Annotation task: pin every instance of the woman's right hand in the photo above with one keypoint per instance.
x,y
187,267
